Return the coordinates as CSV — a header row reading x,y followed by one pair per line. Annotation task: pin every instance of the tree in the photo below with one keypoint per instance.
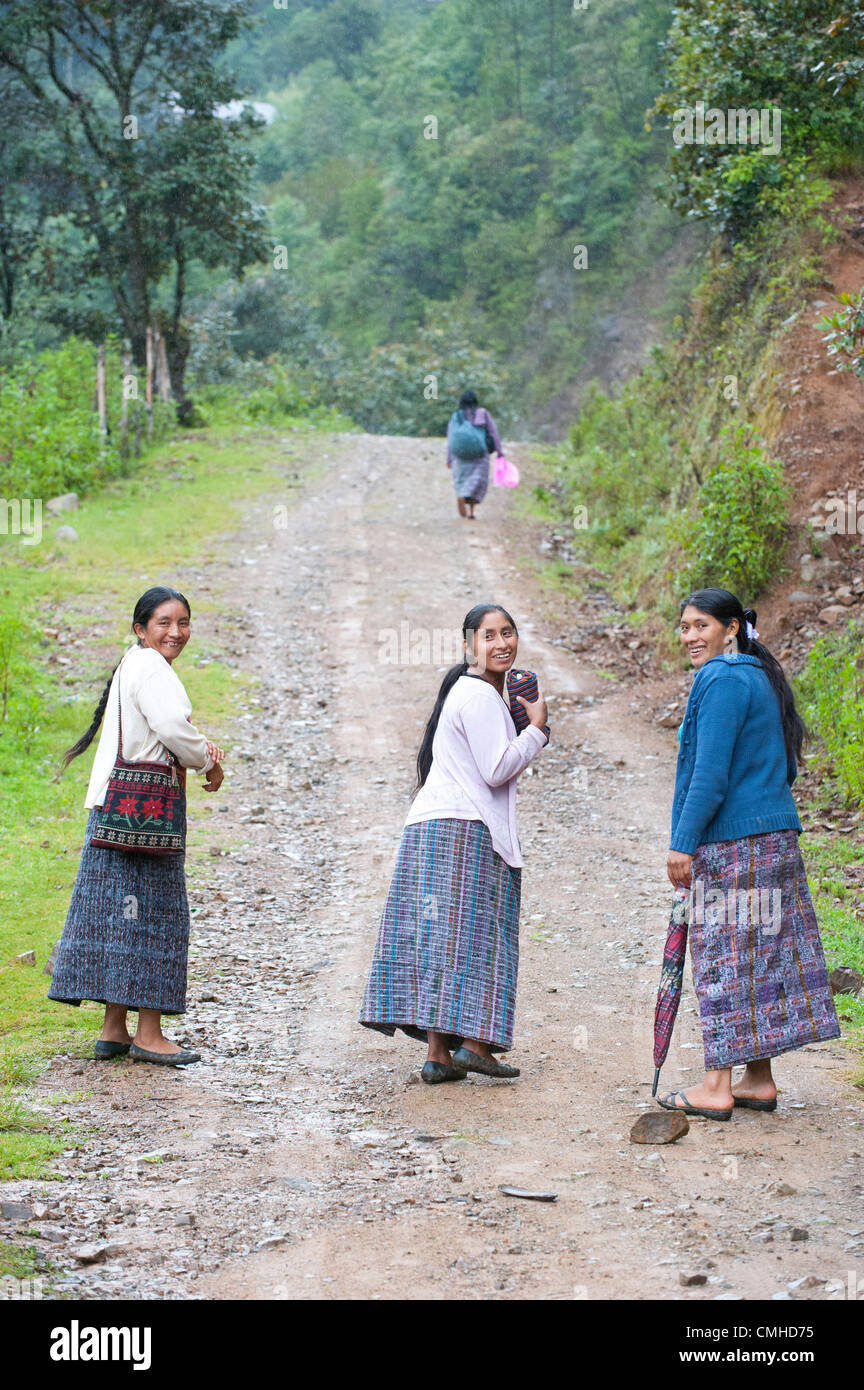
x,y
156,172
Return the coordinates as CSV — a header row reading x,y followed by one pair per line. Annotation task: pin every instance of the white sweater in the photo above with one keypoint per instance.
x,y
476,759
155,718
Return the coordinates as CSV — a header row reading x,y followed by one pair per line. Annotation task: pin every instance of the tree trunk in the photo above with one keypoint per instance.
x,y
178,342
517,58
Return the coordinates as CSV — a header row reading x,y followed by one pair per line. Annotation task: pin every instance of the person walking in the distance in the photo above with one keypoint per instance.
x,y
471,435
126,936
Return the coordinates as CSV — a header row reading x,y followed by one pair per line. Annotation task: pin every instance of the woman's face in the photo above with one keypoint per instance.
x,y
168,630
494,644
704,636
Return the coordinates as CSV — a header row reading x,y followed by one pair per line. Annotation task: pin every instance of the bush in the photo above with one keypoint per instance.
x,y
400,388
49,431
735,536
845,337
620,464
831,690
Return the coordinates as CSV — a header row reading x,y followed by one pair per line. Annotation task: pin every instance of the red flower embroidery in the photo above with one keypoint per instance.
x,y
127,806
153,807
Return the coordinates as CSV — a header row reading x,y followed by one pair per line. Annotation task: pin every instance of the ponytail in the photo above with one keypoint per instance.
x,y
424,756
794,728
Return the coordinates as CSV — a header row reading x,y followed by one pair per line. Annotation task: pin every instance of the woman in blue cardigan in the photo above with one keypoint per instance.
x,y
758,965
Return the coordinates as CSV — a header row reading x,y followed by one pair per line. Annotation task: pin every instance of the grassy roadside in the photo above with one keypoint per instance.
x,y
840,912
65,608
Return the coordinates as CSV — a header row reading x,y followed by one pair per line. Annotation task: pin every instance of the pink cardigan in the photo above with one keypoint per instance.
x,y
476,759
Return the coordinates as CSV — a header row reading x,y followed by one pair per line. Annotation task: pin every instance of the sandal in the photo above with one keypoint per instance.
x,y
750,1103
688,1109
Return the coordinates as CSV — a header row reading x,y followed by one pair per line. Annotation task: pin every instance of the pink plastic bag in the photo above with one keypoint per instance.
x,y
506,473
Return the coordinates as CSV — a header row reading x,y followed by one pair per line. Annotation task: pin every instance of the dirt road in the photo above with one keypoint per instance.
x,y
302,1159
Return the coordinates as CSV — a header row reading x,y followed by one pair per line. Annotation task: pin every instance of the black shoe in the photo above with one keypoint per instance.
x,y
749,1103
434,1072
163,1059
103,1049
472,1061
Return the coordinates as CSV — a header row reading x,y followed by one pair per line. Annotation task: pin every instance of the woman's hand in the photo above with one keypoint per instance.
x,y
679,868
214,778
214,752
537,712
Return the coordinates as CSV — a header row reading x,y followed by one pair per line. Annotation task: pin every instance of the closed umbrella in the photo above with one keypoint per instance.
x,y
671,975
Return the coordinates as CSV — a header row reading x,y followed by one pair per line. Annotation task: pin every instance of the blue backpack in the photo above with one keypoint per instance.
x,y
467,441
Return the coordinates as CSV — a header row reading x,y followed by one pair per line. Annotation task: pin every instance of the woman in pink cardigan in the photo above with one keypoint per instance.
x,y
447,954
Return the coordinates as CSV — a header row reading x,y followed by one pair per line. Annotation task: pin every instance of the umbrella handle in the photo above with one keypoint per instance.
x,y
656,1080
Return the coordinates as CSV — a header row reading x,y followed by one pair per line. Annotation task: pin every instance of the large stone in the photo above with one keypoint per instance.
x,y
26,958
66,533
90,1254
846,980
689,1281
659,1127
799,596
48,967
670,720
67,503
16,1211
832,614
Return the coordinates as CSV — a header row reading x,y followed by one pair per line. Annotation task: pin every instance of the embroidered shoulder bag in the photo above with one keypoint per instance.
x,y
145,804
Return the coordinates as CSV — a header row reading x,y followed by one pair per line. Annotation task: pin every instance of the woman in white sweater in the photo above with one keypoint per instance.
x,y
447,954
126,936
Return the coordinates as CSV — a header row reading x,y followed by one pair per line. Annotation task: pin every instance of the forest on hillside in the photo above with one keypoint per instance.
x,y
349,209
406,179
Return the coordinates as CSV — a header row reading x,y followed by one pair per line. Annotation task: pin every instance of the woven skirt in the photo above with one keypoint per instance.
x,y
447,954
758,965
126,936
471,477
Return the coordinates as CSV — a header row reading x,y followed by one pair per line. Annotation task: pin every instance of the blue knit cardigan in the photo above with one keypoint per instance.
x,y
733,777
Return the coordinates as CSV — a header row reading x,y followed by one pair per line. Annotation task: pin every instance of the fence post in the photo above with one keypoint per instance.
x,y
101,403
165,392
148,390
124,409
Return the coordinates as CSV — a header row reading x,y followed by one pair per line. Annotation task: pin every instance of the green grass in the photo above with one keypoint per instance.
x,y
139,531
17,1262
840,911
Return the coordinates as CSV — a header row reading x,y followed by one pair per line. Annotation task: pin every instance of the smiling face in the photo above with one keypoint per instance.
x,y
494,645
168,630
704,636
